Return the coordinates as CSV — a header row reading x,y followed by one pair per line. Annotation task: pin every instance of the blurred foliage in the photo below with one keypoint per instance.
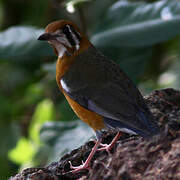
x,y
36,123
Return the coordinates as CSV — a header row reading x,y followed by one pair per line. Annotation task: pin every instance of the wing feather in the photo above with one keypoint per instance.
x,y
99,85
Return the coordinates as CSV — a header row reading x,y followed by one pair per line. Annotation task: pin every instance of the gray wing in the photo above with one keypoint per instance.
x,y
99,85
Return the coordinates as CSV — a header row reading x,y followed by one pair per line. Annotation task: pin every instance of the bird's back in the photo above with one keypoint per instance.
x,y
99,85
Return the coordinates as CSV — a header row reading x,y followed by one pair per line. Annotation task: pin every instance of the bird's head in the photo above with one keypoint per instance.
x,y
65,37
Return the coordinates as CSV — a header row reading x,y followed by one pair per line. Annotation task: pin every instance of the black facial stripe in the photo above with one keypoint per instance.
x,y
68,34
76,33
68,30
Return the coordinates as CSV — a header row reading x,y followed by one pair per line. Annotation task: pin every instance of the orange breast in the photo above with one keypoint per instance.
x,y
94,120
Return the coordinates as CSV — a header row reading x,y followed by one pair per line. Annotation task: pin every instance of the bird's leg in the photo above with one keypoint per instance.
x,y
108,147
85,165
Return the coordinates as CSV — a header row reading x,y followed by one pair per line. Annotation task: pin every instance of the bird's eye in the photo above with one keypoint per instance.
x,y
66,30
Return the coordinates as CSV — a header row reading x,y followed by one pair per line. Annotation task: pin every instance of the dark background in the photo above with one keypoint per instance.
x,y
36,124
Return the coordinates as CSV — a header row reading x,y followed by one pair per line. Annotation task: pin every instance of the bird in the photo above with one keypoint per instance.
x,y
96,88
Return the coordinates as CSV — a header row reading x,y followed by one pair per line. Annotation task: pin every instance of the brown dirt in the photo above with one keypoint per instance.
x,y
132,157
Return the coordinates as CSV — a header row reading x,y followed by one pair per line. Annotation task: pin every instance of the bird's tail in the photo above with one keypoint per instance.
x,y
145,126
149,126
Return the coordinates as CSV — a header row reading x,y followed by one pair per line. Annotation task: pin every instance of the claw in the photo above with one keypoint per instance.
x,y
78,168
108,147
103,145
85,165
71,166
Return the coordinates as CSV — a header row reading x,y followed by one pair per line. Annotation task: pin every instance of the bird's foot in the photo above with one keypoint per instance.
x,y
106,147
84,165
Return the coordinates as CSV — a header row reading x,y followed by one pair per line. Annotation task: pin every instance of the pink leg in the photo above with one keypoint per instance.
x,y
86,164
108,147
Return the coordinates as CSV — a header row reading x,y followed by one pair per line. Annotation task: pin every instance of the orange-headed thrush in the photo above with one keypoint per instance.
x,y
98,91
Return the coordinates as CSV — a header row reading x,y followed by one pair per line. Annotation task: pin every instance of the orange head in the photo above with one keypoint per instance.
x,y
65,37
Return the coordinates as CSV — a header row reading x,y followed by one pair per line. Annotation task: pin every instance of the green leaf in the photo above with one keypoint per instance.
x,y
35,13
23,152
20,43
65,111
9,135
63,137
94,12
44,112
171,77
50,68
33,93
14,78
138,24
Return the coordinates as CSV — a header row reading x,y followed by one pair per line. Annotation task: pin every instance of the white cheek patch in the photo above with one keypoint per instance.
x,y
59,47
64,86
61,50
62,39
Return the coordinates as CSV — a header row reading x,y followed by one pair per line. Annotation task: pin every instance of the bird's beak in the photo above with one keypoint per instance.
x,y
46,37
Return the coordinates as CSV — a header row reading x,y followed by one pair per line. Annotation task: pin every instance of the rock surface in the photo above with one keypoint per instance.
x,y
132,157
